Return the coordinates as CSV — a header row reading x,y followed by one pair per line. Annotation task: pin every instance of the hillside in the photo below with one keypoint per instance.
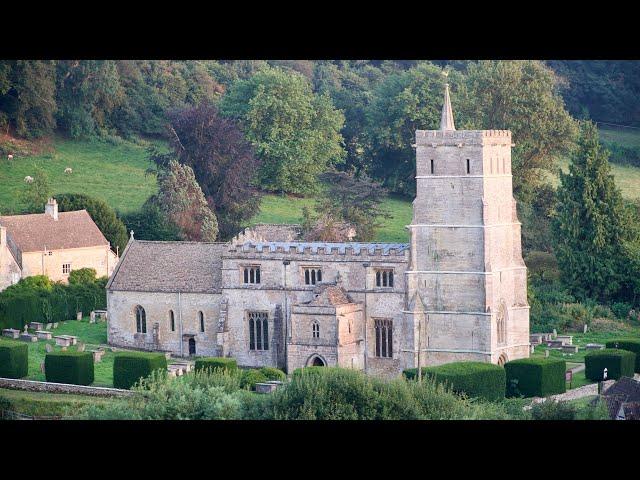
x,y
116,173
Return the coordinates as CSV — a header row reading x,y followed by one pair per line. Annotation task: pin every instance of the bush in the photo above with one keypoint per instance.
x,y
308,370
474,379
272,373
69,367
252,376
130,367
537,377
14,359
552,410
215,362
619,363
629,345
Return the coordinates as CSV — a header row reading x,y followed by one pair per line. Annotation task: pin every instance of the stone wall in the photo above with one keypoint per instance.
x,y
101,258
50,387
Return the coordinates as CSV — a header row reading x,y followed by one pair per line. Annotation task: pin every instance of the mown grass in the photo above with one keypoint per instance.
x,y
625,137
48,404
112,172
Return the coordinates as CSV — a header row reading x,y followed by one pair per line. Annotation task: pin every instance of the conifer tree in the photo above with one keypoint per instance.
x,y
594,240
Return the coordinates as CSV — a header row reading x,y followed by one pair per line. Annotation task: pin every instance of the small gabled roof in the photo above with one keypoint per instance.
x,y
35,232
330,295
627,387
186,267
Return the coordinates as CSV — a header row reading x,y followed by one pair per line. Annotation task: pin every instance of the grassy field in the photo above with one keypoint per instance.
x,y
114,173
47,404
626,137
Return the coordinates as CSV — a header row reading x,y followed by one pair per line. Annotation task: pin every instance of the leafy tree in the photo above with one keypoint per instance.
x,y
82,276
181,199
520,96
222,161
150,223
294,132
595,245
355,201
102,214
36,194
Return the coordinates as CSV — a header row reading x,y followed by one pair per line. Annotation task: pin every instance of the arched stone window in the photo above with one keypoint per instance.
x,y
501,325
201,319
172,321
315,328
502,359
141,320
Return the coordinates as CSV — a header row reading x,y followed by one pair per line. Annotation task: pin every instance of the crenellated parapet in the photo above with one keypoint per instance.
x,y
435,138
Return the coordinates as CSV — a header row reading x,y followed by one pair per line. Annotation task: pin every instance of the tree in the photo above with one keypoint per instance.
x,y
102,214
594,240
348,200
181,199
36,194
295,133
222,161
521,96
150,223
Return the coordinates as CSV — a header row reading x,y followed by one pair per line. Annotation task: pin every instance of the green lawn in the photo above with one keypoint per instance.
x,y
47,404
626,137
113,173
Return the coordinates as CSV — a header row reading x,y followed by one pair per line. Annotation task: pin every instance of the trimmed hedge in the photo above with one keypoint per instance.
x,y
619,363
216,362
14,359
130,367
537,377
272,373
69,367
475,379
627,344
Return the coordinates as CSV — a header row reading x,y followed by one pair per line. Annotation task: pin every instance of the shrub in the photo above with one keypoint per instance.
x,y
130,367
252,376
215,362
619,363
308,370
69,367
552,410
537,377
14,359
474,379
272,373
629,345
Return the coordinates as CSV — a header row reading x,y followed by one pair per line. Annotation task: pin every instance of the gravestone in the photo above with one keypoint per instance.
x,y
546,354
48,348
43,334
64,349
97,355
79,316
36,325
584,330
565,339
555,333
48,326
42,367
11,333
27,337
570,348
55,324
265,387
81,347
92,317
533,348
62,341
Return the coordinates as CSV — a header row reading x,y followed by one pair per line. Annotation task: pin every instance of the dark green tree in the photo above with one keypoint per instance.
x,y
594,241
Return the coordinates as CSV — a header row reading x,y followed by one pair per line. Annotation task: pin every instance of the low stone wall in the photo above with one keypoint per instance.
x,y
50,387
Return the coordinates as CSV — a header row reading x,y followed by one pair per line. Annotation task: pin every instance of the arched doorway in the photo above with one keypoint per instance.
x,y
192,346
502,359
316,360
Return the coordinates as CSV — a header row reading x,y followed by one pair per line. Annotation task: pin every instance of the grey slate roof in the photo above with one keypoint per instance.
x,y
300,246
188,267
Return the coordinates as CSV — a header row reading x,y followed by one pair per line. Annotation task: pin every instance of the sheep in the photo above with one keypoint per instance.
x,y
28,179
10,157
68,170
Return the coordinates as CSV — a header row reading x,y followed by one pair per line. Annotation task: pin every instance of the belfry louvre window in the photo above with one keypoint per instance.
x,y
312,275
384,338
141,320
258,331
251,274
384,277
66,268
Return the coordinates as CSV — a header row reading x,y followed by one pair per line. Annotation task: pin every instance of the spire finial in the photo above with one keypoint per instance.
x,y
446,121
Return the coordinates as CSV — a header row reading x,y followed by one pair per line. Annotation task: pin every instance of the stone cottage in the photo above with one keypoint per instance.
x,y
457,291
52,243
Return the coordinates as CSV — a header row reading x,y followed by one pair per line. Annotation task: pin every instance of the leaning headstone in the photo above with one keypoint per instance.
x,y
92,317
55,324
81,347
546,353
79,316
48,348
585,328
49,325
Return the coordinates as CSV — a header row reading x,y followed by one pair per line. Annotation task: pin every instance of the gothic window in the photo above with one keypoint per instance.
x,y
432,167
501,325
384,338
251,274
172,321
312,275
66,268
201,319
258,331
141,320
315,327
384,277
468,166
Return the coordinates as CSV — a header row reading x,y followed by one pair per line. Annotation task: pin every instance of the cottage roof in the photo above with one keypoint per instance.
x,y
35,232
627,387
188,267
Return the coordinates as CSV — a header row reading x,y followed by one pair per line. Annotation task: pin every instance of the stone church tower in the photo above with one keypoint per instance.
x,y
466,283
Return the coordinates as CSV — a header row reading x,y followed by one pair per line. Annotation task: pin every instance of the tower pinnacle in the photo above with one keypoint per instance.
x,y
446,121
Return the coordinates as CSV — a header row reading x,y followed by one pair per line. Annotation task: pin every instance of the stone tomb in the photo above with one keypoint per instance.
x,y
43,334
62,340
565,339
594,346
11,333
36,326
265,387
97,355
555,344
570,348
28,337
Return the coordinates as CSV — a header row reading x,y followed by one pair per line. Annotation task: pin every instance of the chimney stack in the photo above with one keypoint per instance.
x,y
51,208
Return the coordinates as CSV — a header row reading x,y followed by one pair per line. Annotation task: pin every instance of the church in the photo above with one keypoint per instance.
x,y
457,291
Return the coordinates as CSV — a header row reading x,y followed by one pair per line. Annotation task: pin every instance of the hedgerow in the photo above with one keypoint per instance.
x,y
14,359
619,363
130,367
69,367
630,345
535,377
